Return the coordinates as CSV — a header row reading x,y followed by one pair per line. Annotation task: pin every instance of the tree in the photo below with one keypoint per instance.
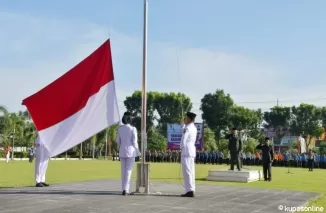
x,y
216,108
109,134
307,119
156,141
209,140
250,145
171,108
244,118
29,134
279,118
223,146
323,116
133,104
3,119
322,148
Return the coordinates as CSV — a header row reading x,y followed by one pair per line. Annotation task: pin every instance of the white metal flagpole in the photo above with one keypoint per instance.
x,y
144,96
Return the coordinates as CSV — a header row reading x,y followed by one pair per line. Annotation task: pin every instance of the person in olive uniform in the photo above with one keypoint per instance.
x,y
235,148
267,158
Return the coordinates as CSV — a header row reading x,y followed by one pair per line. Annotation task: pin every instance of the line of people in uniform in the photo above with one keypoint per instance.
x,y
248,159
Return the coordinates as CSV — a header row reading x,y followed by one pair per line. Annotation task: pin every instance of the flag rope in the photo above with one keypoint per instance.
x,y
111,17
180,89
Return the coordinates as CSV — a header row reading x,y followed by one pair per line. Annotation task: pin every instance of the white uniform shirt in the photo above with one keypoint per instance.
x,y
38,142
127,140
303,145
188,141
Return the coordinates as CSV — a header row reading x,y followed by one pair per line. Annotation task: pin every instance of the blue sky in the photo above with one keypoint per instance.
x,y
255,50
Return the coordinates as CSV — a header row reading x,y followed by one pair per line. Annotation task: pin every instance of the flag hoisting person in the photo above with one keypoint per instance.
x,y
188,154
41,163
128,150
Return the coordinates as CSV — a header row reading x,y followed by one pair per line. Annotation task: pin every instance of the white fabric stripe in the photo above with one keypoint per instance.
x,y
100,112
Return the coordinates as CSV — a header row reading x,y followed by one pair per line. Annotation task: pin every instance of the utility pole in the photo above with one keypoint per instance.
x,y
277,102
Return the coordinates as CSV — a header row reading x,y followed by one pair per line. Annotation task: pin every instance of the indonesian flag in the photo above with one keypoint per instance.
x,y
77,105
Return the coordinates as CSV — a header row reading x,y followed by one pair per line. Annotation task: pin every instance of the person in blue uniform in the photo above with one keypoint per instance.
x,y
31,152
205,157
214,157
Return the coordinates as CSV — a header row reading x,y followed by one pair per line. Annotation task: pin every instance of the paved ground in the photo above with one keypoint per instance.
x,y
104,197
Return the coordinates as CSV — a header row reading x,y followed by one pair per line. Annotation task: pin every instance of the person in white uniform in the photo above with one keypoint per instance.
x,y
128,151
188,154
8,149
41,163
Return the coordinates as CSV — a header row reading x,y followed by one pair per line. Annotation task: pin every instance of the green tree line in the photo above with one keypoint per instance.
x,y
219,114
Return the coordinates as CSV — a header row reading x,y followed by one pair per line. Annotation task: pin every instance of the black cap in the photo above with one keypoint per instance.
x,y
191,115
126,118
127,114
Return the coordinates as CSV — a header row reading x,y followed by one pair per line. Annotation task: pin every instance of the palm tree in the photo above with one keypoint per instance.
x,y
3,118
107,139
93,142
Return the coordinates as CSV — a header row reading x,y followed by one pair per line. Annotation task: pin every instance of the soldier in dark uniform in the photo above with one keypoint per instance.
x,y
267,158
169,156
197,156
174,156
235,148
147,156
179,156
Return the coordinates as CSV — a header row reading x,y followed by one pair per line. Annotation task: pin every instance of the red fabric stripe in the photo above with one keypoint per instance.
x,y
70,93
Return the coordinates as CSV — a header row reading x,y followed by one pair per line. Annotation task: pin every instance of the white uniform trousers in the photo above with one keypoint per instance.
x,y
126,171
7,157
41,163
188,169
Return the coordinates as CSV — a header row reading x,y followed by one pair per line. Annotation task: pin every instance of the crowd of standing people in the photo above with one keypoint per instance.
x,y
281,159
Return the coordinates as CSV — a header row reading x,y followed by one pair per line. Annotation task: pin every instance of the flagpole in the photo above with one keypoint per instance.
x,y
144,98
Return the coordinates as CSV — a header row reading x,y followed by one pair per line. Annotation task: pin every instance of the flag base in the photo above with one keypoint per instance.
x,y
142,180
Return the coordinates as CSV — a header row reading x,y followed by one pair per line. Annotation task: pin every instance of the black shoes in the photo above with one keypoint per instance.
x,y
42,185
124,193
39,185
189,194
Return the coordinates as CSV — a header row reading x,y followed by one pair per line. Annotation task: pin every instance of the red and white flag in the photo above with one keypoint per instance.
x,y
77,105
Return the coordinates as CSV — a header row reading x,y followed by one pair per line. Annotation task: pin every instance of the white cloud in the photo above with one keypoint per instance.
x,y
35,51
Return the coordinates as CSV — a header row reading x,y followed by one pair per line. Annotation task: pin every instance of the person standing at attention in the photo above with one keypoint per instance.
x,y
188,154
235,148
41,163
128,150
267,158
7,152
311,159
31,153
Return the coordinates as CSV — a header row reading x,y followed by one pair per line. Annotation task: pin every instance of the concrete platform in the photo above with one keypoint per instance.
x,y
104,197
243,176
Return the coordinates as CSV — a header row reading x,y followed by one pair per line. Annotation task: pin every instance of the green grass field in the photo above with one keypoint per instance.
x,y
21,173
